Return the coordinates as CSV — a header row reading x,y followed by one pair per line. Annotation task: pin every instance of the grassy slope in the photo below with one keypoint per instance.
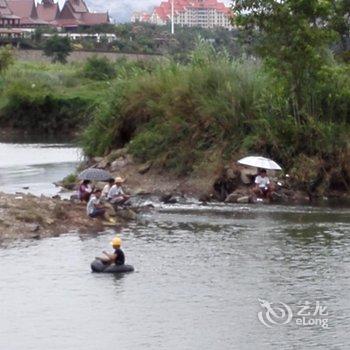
x,y
48,97
187,119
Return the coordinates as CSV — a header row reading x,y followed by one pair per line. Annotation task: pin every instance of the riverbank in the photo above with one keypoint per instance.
x,y
230,183
26,216
194,120
59,99
190,121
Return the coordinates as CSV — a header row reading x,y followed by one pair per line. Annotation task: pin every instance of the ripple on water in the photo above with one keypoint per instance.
x,y
198,278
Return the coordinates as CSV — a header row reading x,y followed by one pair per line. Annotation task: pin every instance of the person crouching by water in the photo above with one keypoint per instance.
x,y
263,187
94,209
85,191
116,194
117,257
107,188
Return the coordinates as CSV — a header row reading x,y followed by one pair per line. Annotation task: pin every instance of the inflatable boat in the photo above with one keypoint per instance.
x,y
99,266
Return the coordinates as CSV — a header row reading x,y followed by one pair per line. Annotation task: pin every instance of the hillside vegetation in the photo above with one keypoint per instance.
x,y
186,118
192,117
50,98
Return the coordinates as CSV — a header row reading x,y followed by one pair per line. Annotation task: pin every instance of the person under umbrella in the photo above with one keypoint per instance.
x,y
91,174
263,186
85,191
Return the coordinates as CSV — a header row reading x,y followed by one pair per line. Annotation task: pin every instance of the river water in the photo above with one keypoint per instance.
x,y
34,167
200,272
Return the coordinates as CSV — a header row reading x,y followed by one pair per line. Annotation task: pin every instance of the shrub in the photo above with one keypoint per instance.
x,y
36,108
98,68
58,48
6,58
178,115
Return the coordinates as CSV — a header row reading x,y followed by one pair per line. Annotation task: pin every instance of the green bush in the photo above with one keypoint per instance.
x,y
40,110
52,98
177,115
6,58
58,48
99,68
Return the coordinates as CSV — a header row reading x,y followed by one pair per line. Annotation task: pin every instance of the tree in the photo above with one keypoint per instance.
x,y
6,58
291,36
58,48
340,22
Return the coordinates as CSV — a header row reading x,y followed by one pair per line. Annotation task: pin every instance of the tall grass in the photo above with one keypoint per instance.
x,y
51,98
178,116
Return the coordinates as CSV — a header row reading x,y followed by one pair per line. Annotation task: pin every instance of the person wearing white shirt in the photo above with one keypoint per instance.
x,y
263,187
116,194
94,209
107,188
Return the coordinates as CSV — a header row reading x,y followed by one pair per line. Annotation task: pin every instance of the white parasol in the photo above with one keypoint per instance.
x,y
260,162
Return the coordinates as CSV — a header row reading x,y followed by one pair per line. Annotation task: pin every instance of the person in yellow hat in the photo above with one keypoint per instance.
x,y
117,257
116,194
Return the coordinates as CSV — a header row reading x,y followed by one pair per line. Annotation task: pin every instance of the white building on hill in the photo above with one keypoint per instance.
x,y
190,13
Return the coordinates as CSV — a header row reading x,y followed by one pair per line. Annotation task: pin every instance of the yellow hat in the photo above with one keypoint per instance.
x,y
119,179
116,242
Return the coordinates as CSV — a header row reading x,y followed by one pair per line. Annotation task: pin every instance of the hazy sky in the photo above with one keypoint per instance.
x,y
121,10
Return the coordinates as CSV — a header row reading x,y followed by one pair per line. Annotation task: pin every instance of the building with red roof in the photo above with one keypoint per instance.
x,y
192,13
140,17
48,10
7,18
25,13
76,13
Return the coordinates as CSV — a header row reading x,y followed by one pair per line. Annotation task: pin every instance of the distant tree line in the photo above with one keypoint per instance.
x,y
139,38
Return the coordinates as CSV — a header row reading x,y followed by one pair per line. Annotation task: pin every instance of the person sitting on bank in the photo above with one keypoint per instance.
x,y
116,194
107,188
117,257
263,187
94,209
85,191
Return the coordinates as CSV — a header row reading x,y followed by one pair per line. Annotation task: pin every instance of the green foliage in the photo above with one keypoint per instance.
x,y
40,110
292,38
178,115
6,58
48,98
340,22
98,68
70,181
139,38
58,48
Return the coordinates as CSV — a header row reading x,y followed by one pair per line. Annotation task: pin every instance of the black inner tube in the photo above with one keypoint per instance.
x,y
99,266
